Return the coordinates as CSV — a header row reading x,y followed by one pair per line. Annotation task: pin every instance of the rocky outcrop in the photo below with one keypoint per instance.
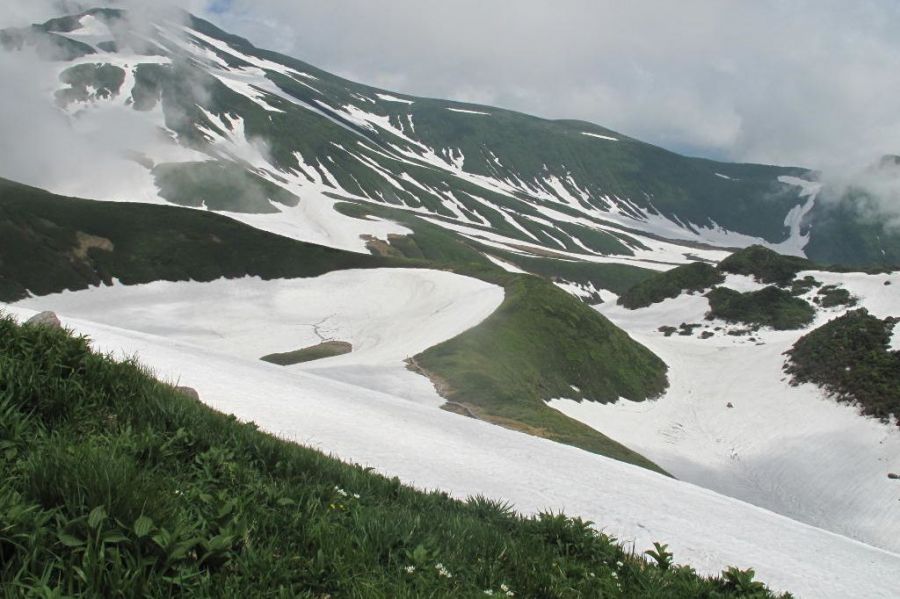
x,y
188,392
45,319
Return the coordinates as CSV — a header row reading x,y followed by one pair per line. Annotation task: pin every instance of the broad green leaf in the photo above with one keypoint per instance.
x,y
143,526
69,540
97,516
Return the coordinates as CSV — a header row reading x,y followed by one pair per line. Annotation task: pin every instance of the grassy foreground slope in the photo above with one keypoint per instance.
x,y
114,485
49,243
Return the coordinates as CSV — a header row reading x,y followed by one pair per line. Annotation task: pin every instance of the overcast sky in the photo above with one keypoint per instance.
x,y
807,82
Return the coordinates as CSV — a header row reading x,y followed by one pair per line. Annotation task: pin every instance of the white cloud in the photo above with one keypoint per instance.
x,y
43,146
803,82
807,82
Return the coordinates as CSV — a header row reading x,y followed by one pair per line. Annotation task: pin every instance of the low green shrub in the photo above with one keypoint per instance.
x,y
850,358
766,265
770,306
695,276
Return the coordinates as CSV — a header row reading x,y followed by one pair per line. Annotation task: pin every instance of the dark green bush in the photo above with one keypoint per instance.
x,y
695,276
770,306
849,357
766,265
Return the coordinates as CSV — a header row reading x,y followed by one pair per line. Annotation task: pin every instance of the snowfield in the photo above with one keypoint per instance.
x,y
789,449
388,315
433,449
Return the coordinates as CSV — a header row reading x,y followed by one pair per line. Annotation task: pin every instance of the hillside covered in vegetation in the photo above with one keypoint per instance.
x,y
695,276
850,357
50,243
114,484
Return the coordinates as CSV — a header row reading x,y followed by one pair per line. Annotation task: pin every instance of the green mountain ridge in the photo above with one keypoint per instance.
x,y
558,184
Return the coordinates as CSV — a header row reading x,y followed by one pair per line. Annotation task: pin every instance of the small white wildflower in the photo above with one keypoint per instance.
x,y
356,496
488,592
410,569
592,575
510,594
619,564
442,571
614,575
340,491
504,588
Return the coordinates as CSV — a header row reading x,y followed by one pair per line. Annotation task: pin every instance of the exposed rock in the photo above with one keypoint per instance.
x,y
893,476
45,319
188,392
729,405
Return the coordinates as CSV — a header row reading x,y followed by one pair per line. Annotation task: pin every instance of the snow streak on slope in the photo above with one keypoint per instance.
x,y
789,449
388,315
598,136
464,457
465,111
388,152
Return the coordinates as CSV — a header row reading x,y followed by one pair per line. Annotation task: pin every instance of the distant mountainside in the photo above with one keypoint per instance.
x,y
253,132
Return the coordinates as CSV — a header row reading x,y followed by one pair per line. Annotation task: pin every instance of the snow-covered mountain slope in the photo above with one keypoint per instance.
x,y
731,421
387,315
527,184
432,449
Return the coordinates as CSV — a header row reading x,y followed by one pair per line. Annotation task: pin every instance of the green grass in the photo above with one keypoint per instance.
x,y
766,265
50,243
437,245
219,186
326,349
618,278
695,276
537,345
113,485
849,357
770,306
428,242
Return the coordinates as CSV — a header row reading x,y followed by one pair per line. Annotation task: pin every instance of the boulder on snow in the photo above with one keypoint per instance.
x,y
893,476
45,319
188,392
